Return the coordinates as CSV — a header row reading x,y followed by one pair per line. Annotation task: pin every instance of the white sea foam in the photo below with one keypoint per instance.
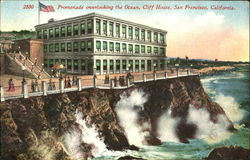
x,y
231,107
167,126
128,116
206,129
87,134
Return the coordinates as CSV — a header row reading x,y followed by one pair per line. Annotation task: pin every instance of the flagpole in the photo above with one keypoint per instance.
x,y
38,13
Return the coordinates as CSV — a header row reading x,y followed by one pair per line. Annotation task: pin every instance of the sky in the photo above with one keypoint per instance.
x,y
197,33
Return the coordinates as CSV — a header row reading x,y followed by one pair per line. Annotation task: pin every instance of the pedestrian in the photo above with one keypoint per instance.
x,y
50,85
32,86
106,80
115,81
36,86
74,81
11,85
69,82
53,85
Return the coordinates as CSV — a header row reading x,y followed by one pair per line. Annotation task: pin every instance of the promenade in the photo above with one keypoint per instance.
x,y
38,87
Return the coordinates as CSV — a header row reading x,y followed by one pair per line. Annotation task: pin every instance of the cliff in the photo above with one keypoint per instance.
x,y
35,128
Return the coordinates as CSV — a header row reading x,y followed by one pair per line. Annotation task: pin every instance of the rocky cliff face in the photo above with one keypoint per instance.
x,y
34,128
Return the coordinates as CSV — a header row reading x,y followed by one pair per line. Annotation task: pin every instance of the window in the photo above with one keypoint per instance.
x,y
137,65
117,64
57,32
155,36
51,63
51,33
83,28
111,65
149,36
162,38
62,47
75,29
137,48
62,31
69,64
117,30
69,30
83,46
111,29
76,65
83,64
69,47
104,27
162,51
51,47
45,34
124,47
117,47
75,47
130,32
39,34
89,45
130,48
149,49
124,31
45,48
98,26
104,65
111,46
105,46
98,64
124,62
45,63
137,33
98,45
142,65
90,26
142,49
143,35
155,50
57,47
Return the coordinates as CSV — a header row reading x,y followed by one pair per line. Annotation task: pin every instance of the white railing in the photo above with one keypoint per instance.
x,y
80,84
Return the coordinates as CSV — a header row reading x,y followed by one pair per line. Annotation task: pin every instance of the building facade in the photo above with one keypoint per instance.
x,y
102,44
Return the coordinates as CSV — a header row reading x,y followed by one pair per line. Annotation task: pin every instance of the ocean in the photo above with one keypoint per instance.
x,y
231,91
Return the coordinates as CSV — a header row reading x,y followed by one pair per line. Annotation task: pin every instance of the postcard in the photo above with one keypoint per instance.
x,y
124,80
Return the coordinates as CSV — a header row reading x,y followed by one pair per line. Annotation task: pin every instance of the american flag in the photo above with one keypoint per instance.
x,y
46,8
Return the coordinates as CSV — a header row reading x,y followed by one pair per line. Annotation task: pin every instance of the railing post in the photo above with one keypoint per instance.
x,y
79,84
154,75
144,76
44,88
112,83
61,85
128,81
24,89
2,94
165,75
94,81
177,72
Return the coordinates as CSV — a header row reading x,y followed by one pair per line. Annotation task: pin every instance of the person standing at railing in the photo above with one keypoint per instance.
x,y
36,86
11,85
32,86
115,81
68,83
106,80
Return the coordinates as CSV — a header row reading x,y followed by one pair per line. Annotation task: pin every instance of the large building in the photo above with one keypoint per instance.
x,y
102,44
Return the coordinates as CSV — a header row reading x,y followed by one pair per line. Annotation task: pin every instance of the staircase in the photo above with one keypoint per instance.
x,y
34,69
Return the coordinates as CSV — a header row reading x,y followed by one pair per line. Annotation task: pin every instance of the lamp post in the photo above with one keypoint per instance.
x,y
94,69
61,68
129,65
177,69
23,69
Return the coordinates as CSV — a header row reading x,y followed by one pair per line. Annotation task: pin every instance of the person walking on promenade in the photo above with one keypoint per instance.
x,y
50,85
11,85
